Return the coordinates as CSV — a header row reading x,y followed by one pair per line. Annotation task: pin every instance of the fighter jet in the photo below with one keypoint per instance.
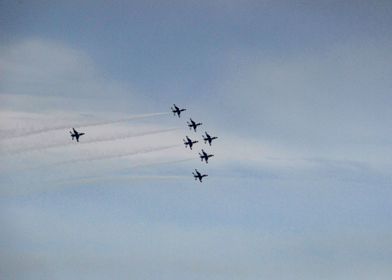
x,y
189,142
199,176
75,134
177,110
193,125
208,138
205,156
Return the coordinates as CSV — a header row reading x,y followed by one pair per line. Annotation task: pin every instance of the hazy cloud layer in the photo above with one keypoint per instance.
x,y
298,94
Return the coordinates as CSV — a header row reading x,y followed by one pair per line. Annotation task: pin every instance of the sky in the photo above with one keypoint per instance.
x,y
298,92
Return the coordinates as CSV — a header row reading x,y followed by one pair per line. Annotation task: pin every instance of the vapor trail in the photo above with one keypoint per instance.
x,y
53,186
106,139
91,179
121,177
44,130
162,162
112,156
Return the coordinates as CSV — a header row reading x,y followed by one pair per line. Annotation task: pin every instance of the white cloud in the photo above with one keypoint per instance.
x,y
331,103
291,166
44,75
309,121
167,251
298,119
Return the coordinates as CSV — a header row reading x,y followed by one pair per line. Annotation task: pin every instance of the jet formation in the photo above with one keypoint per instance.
x,y
188,142
207,138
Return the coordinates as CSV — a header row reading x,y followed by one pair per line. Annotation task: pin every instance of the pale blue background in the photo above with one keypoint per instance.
x,y
310,78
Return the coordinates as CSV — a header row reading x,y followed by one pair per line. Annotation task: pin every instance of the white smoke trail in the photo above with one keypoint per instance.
x,y
106,157
120,177
163,162
147,164
98,140
53,186
92,179
53,128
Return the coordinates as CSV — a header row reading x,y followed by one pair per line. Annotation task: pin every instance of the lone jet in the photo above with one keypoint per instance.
x,y
177,110
193,125
205,156
199,176
189,142
75,134
208,138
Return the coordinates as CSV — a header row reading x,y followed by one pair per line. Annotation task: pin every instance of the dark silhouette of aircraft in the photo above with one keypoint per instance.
x,y
189,142
205,156
208,138
75,134
193,125
177,110
199,176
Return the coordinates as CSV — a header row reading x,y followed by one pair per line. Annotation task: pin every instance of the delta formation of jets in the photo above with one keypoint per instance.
x,y
204,156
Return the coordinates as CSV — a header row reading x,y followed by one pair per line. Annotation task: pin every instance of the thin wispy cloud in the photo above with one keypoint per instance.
x,y
300,179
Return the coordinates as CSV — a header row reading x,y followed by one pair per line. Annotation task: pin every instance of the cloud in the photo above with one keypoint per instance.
x,y
45,75
320,111
337,90
235,156
299,187
211,230
328,103
82,124
142,249
48,87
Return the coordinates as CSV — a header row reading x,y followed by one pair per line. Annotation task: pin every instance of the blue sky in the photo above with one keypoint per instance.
x,y
299,93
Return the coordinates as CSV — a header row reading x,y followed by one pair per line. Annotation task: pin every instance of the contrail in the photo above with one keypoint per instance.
x,y
121,177
51,186
111,156
167,162
92,179
162,162
106,139
44,130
